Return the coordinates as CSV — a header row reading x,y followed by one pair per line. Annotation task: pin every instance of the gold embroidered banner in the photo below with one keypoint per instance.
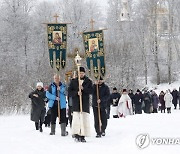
x,y
94,49
57,44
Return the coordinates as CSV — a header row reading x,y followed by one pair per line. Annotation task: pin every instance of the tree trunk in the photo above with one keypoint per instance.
x,y
156,47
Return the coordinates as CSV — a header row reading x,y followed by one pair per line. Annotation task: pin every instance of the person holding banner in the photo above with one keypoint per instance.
x,y
56,95
100,124
80,121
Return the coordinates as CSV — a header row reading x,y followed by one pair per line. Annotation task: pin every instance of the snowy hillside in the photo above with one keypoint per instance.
x,y
18,136
163,86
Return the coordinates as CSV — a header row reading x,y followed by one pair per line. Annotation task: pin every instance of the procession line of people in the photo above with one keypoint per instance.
x,y
79,121
57,95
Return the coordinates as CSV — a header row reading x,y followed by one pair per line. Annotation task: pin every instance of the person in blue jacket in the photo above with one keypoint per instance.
x,y
54,98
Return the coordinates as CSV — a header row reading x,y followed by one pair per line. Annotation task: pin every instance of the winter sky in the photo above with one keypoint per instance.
x,y
102,3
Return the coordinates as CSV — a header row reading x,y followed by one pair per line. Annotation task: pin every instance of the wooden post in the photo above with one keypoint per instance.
x,y
80,96
97,92
58,73
99,110
59,106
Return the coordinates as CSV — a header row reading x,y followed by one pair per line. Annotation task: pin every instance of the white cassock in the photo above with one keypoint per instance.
x,y
80,122
125,106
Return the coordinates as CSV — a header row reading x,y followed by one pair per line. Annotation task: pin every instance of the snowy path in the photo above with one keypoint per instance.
x,y
18,136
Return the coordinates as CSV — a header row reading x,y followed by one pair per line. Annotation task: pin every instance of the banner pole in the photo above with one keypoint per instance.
x,y
97,89
99,110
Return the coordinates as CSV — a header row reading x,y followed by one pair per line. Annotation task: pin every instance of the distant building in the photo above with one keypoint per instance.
x,y
125,11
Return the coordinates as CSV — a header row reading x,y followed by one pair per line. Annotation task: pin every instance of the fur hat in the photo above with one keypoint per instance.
x,y
39,84
82,69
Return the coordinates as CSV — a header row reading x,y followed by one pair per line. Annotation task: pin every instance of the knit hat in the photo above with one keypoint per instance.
x,y
114,88
124,90
82,69
138,90
39,84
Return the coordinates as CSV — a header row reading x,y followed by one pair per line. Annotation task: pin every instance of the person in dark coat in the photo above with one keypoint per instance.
x,y
80,121
57,94
104,94
47,120
175,96
131,95
162,102
38,109
179,97
155,102
114,99
70,101
138,99
147,101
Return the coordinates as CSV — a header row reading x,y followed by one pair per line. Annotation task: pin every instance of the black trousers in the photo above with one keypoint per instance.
x,y
47,120
175,105
38,124
147,107
168,109
103,120
54,115
155,110
70,111
108,109
138,109
163,110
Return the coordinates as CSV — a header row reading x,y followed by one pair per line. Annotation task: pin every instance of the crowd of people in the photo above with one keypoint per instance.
x,y
143,101
71,104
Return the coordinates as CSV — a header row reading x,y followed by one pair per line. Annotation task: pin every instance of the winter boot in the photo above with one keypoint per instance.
x,y
98,135
63,130
77,138
103,133
83,139
53,129
40,128
37,125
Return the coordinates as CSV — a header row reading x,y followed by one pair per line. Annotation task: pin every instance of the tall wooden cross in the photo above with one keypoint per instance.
x,y
92,24
56,17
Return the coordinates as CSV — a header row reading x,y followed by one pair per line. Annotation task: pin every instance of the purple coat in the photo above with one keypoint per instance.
x,y
162,102
155,101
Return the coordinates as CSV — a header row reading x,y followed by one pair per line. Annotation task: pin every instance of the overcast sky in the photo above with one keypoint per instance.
x,y
102,3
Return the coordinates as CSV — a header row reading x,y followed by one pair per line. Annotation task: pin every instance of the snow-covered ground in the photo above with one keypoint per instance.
x,y
18,136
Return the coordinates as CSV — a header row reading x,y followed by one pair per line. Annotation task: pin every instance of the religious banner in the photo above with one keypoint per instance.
x,y
94,49
57,44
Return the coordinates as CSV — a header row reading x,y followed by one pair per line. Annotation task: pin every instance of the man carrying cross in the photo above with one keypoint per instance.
x,y
80,121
